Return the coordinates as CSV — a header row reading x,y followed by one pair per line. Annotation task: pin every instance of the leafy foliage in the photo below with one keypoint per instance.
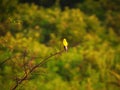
x,y
31,33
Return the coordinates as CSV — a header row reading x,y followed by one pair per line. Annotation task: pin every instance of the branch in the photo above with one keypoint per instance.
x,y
5,60
45,60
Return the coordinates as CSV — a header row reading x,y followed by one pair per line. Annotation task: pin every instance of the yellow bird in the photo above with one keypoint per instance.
x,y
65,43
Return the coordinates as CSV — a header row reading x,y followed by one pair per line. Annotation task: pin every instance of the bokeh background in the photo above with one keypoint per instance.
x,y
36,28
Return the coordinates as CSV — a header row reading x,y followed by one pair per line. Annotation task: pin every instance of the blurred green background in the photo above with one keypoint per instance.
x,y
36,28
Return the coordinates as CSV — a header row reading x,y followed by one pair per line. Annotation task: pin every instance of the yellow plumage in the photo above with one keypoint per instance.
x,y
65,43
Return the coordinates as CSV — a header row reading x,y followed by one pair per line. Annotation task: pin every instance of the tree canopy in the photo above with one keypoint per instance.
x,y
32,53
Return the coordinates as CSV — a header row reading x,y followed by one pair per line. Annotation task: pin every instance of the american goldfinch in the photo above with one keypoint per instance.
x,y
65,43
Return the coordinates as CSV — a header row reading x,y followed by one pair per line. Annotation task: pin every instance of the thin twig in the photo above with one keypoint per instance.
x,y
45,60
33,68
7,59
